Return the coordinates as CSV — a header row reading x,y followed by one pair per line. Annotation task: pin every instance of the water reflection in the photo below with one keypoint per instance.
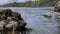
x,y
46,20
57,18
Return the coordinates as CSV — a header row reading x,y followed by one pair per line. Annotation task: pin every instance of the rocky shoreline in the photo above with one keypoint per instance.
x,y
12,22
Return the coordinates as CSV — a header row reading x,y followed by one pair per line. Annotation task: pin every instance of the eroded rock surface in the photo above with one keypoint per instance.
x,y
11,22
57,7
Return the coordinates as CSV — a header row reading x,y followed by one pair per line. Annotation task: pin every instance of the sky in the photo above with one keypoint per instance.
x,y
8,1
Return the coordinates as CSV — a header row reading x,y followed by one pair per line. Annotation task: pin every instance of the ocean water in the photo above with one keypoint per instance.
x,y
38,23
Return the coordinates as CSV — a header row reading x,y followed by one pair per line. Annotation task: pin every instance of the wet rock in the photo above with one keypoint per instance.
x,y
13,21
48,15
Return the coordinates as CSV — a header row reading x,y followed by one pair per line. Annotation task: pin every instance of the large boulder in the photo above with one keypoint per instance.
x,y
11,21
57,7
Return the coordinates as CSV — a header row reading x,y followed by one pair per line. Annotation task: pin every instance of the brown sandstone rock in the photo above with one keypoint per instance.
x,y
57,7
13,20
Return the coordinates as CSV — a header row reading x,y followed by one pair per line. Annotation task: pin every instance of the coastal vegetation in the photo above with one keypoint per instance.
x,y
38,3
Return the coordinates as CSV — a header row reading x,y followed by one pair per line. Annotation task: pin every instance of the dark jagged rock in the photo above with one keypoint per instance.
x,y
13,21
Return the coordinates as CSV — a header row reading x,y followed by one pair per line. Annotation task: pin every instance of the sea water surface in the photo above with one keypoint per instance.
x,y
36,21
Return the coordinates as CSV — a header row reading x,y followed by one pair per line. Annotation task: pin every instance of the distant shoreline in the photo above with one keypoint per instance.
x,y
37,7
